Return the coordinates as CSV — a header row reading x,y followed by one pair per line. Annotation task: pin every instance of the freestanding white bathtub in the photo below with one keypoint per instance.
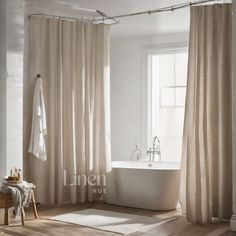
x,y
146,185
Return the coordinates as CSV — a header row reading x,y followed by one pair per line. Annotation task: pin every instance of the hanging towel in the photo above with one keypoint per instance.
x,y
39,128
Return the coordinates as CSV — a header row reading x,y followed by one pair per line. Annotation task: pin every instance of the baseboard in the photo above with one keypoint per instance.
x,y
233,223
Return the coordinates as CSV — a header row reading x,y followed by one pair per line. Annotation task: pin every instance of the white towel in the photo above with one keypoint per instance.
x,y
39,127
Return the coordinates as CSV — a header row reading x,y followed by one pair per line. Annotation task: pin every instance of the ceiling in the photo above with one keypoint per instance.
x,y
158,23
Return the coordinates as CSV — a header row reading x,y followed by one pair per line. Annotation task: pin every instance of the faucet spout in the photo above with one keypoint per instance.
x,y
156,148
155,139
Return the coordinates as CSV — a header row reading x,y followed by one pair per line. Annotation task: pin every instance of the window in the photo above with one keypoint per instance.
x,y
167,74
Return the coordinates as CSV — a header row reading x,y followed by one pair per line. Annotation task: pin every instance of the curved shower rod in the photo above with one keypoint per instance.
x,y
114,18
115,21
163,9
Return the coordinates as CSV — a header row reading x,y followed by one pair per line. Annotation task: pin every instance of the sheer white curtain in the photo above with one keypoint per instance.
x,y
73,60
206,188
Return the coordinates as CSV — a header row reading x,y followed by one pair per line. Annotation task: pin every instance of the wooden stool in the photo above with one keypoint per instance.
x,y
34,204
6,202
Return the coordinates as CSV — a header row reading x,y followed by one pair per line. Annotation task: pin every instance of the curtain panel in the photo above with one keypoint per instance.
x,y
73,60
206,174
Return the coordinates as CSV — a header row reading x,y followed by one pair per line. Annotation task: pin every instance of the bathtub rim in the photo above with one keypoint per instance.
x,y
175,166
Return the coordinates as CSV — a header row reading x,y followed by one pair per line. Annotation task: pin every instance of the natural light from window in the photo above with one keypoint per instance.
x,y
167,88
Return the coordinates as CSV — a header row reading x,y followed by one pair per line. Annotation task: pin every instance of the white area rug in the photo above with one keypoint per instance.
x,y
112,221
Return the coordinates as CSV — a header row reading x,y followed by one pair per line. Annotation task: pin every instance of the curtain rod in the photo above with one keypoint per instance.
x,y
114,18
163,9
81,19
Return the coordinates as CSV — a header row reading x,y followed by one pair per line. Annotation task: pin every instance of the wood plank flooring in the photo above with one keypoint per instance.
x,y
44,226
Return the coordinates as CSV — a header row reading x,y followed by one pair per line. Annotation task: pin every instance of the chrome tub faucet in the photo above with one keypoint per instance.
x,y
155,150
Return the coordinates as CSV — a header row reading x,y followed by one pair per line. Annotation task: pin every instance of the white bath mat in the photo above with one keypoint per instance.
x,y
111,221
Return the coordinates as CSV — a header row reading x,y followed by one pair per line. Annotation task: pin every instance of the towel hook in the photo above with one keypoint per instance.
x,y
38,75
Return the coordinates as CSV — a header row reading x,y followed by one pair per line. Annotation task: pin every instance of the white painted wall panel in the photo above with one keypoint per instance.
x,y
3,76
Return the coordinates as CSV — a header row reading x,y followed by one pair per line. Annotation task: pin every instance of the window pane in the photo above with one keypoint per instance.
x,y
171,122
166,70
180,94
181,64
167,97
168,91
171,149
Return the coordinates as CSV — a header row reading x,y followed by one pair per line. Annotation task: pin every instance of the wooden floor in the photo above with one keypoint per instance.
x,y
44,226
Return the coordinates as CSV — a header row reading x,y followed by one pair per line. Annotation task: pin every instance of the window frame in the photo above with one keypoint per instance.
x,y
147,52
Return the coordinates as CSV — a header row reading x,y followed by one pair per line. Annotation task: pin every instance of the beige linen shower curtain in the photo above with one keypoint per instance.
x,y
206,188
73,60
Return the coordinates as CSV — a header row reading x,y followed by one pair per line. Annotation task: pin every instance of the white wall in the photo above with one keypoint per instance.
x,y
127,108
3,76
14,110
15,47
3,84
11,90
